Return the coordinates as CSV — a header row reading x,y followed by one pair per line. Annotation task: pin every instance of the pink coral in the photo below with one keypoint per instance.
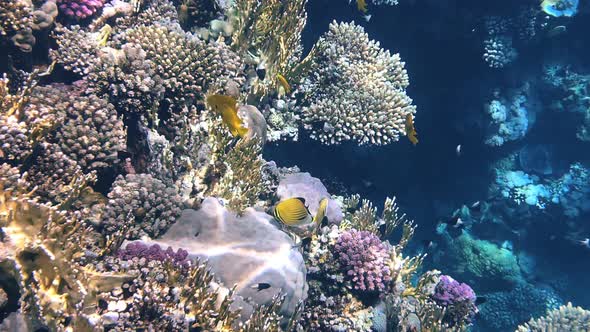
x,y
79,9
364,258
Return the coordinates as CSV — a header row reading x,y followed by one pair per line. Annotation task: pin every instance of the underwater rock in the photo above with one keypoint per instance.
x,y
246,251
312,190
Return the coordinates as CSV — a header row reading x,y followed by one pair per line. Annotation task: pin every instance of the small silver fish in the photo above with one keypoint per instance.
x,y
458,150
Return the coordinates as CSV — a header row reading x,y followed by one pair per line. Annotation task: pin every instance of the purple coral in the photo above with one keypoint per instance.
x,y
364,258
79,9
154,252
458,297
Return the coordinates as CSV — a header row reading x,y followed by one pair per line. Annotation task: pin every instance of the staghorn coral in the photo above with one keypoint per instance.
x,y
238,169
363,257
79,9
187,65
564,318
272,31
164,296
355,90
141,204
127,79
361,215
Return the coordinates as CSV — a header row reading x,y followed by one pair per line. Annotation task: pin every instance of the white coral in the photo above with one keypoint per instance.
x,y
356,90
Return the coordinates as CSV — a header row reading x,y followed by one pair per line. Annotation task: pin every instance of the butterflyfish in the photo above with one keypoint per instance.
x,y
292,212
361,5
227,107
283,83
410,130
321,211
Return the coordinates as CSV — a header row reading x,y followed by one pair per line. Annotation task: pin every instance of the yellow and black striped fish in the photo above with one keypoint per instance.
x,y
319,216
292,212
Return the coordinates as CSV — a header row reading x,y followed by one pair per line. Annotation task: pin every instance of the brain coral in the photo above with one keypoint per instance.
x,y
356,90
245,251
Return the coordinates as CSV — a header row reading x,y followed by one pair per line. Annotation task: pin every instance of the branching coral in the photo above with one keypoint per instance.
x,y
239,169
564,318
141,204
458,299
361,215
128,80
77,48
187,65
79,9
91,134
355,90
272,30
364,258
45,246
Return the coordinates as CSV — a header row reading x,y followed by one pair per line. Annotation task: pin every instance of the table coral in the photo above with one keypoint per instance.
x,y
355,91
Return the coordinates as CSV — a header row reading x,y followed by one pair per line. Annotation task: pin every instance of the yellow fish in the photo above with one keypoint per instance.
x,y
410,130
228,108
293,212
321,211
361,5
283,82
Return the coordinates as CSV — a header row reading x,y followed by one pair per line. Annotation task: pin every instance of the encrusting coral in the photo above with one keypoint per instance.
x,y
355,90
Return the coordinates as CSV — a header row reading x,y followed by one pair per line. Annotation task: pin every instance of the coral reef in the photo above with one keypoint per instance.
x,y
458,298
564,318
505,310
355,90
362,255
312,190
482,262
140,204
246,251
510,117
127,79
79,9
